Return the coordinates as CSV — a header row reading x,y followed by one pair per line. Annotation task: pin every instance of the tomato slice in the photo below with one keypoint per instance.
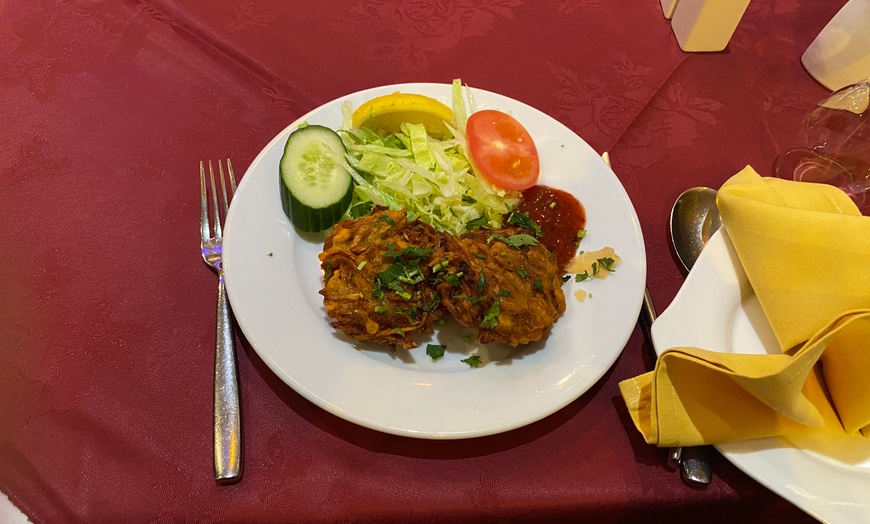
x,y
502,149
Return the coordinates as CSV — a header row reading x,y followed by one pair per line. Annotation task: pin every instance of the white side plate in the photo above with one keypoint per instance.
x,y
716,309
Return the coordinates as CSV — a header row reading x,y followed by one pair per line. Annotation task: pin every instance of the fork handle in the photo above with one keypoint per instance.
x,y
227,417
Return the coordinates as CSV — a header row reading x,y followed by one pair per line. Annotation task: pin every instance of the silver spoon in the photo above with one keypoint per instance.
x,y
694,464
694,219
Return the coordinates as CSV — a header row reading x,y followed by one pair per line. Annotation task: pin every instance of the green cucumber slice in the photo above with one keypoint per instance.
x,y
316,188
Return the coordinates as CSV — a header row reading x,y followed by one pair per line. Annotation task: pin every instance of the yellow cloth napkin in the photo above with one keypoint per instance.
x,y
805,249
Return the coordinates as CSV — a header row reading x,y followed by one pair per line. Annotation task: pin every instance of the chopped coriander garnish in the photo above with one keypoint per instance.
x,y
473,361
436,300
405,269
538,284
386,218
581,233
491,318
479,255
270,254
453,278
607,264
412,277
524,220
392,273
435,351
440,266
381,309
481,280
360,210
505,292
475,223
522,272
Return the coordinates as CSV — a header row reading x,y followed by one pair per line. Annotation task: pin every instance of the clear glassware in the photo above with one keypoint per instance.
x,y
836,148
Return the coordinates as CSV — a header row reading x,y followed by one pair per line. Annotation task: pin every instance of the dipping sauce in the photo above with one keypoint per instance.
x,y
560,216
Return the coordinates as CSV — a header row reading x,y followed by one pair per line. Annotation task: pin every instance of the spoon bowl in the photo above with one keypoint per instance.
x,y
694,219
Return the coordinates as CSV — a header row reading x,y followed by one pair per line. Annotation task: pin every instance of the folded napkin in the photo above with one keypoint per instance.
x,y
805,249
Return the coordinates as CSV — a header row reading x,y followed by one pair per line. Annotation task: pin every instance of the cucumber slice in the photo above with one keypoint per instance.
x,y
316,188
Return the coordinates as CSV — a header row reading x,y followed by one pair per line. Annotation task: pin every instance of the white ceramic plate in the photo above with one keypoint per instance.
x,y
273,278
716,309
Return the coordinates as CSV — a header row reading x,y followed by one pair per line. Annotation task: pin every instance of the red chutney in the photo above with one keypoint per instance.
x,y
560,216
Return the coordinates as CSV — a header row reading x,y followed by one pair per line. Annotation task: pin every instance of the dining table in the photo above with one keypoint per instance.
x,y
107,311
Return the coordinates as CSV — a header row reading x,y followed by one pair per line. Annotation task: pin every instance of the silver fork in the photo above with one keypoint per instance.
x,y
227,416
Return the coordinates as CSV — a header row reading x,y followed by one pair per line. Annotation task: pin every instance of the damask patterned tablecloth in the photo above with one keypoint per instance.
x,y
107,311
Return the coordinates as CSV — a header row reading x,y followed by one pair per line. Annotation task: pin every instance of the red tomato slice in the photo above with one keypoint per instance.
x,y
502,149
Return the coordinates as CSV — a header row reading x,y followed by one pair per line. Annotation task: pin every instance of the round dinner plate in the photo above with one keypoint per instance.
x,y
828,476
273,278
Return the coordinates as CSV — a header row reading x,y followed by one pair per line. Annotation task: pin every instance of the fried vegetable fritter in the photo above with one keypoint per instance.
x,y
387,278
378,277
511,291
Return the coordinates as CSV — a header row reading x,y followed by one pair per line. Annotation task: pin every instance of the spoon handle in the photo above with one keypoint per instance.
x,y
649,310
695,463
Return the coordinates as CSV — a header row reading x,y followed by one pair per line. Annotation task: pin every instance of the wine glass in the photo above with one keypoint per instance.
x,y
836,147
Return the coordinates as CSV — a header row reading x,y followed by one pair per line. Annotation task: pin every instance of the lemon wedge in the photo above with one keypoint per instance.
x,y
387,112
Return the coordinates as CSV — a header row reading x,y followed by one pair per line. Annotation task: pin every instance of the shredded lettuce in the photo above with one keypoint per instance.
x,y
432,179
460,113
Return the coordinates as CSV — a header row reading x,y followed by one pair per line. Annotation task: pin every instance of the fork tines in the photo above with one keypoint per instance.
x,y
217,215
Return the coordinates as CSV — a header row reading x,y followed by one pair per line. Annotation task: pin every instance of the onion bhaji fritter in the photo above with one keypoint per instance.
x,y
511,292
377,277
387,278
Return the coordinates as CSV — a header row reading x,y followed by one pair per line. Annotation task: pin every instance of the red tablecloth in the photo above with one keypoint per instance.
x,y
107,310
